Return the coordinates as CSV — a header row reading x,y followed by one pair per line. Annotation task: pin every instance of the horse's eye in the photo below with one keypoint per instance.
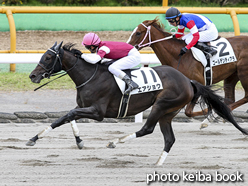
x,y
48,58
138,33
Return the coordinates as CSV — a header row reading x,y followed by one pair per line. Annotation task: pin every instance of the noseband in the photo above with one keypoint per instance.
x,y
148,33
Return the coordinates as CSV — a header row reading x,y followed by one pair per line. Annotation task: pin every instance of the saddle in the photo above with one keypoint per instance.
x,y
225,54
148,81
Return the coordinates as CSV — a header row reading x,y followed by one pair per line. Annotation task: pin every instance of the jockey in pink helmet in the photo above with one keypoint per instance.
x,y
91,39
124,54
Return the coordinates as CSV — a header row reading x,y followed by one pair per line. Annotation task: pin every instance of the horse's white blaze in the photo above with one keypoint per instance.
x,y
129,39
128,137
162,158
74,128
45,131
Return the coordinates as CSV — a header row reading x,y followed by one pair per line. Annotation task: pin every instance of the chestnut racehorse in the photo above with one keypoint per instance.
x,y
151,33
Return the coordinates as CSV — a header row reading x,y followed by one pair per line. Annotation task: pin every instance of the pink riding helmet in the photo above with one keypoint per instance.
x,y
91,39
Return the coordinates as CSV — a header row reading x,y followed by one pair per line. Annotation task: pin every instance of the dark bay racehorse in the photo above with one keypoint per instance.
x,y
98,96
151,33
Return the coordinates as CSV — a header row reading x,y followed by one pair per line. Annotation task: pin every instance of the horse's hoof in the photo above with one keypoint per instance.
x,y
203,126
80,145
30,143
158,165
111,145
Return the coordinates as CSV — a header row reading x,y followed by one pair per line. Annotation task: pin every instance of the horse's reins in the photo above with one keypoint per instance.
x,y
65,73
50,81
148,33
148,29
88,79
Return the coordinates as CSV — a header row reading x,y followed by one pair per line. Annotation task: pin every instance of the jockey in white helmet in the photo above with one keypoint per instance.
x,y
126,56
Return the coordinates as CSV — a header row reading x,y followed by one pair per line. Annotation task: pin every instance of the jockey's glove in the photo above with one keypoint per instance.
x,y
183,51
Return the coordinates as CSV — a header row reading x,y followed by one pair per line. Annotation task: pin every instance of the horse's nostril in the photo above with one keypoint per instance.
x,y
31,76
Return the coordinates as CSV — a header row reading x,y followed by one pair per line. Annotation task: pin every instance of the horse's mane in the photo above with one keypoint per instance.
x,y
159,26
69,47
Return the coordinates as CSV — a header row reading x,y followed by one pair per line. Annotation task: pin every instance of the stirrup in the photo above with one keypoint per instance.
x,y
131,87
213,52
209,55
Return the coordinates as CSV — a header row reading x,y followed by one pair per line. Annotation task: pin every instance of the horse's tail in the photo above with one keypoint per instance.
x,y
215,102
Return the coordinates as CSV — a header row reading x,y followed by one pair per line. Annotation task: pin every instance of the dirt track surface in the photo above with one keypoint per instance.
x,y
56,161
42,40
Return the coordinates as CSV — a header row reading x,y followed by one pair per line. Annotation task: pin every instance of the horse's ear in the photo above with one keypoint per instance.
x,y
58,46
54,44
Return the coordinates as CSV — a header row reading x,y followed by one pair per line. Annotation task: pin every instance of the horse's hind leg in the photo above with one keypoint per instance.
x,y
146,129
169,138
165,125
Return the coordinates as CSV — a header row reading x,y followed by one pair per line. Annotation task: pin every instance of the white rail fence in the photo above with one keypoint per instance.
x,y
146,59
25,58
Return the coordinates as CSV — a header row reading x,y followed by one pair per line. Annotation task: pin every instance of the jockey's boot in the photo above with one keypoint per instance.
x,y
131,84
206,48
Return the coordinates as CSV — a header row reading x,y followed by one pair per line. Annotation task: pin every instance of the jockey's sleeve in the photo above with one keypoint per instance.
x,y
91,58
180,30
194,31
103,51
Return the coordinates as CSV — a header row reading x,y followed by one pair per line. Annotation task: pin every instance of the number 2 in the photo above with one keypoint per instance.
x,y
222,53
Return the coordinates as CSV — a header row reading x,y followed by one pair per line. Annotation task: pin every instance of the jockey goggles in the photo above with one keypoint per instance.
x,y
88,47
172,20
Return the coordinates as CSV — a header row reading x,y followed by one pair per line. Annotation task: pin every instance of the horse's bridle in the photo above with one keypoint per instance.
x,y
148,33
49,72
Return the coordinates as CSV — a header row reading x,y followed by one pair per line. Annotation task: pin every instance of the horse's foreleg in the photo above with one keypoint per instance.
x,y
229,88
89,112
189,111
208,120
75,130
41,134
33,140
